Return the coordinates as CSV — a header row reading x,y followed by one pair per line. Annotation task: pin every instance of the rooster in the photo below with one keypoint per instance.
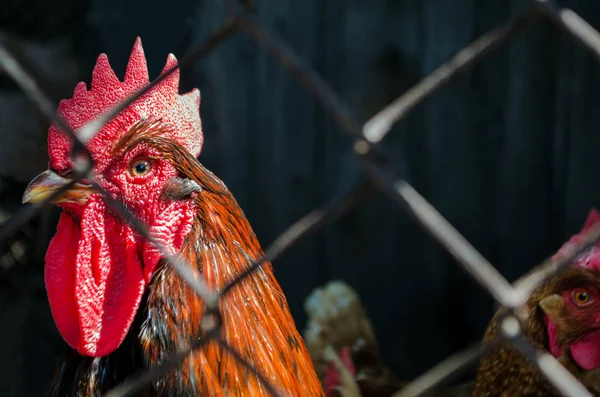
x,y
117,304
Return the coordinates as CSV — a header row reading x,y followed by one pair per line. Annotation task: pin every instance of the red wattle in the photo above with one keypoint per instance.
x,y
59,275
94,279
169,228
332,376
586,351
553,346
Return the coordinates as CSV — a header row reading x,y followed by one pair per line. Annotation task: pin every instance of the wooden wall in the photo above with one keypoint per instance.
x,y
507,152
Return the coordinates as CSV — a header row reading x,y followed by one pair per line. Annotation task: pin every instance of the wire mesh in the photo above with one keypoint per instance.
x,y
366,139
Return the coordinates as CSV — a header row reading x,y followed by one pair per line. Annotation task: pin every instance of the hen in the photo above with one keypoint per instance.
x,y
342,343
117,304
339,332
563,317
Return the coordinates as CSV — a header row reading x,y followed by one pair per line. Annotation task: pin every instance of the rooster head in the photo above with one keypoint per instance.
x,y
97,265
575,309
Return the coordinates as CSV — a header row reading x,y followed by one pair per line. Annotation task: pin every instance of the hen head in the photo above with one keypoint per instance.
x,y
97,265
572,311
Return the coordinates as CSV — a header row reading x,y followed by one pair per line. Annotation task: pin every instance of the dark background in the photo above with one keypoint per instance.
x,y
508,152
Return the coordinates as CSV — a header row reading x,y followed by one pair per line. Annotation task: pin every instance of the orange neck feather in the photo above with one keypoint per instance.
x,y
256,319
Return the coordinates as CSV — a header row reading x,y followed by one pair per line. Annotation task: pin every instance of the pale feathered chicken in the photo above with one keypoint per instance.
x,y
345,352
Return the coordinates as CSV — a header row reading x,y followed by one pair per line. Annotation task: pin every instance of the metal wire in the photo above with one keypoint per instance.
x,y
375,165
379,125
446,370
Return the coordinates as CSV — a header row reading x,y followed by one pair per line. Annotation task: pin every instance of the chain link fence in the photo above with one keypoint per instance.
x,y
366,138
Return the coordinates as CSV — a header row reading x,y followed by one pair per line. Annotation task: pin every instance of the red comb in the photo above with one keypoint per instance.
x,y
179,113
592,218
591,257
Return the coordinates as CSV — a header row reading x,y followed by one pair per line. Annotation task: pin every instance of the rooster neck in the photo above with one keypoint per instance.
x,y
256,321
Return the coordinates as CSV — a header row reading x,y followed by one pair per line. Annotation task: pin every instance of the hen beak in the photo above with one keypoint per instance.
x,y
47,183
552,305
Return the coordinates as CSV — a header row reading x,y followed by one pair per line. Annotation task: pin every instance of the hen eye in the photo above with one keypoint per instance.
x,y
140,167
581,297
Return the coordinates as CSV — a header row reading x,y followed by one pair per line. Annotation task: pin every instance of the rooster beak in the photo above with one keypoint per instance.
x,y
48,183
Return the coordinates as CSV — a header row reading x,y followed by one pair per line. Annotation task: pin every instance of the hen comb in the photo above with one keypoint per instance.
x,y
591,257
592,218
178,113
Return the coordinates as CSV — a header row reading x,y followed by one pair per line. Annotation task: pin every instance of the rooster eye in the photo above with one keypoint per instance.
x,y
581,297
140,167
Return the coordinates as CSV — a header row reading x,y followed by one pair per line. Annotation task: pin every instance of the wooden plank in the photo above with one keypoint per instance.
x,y
391,263
454,174
361,249
227,105
580,99
524,182
282,163
488,87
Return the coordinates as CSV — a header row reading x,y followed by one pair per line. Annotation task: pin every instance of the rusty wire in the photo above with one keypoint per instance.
x,y
375,165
